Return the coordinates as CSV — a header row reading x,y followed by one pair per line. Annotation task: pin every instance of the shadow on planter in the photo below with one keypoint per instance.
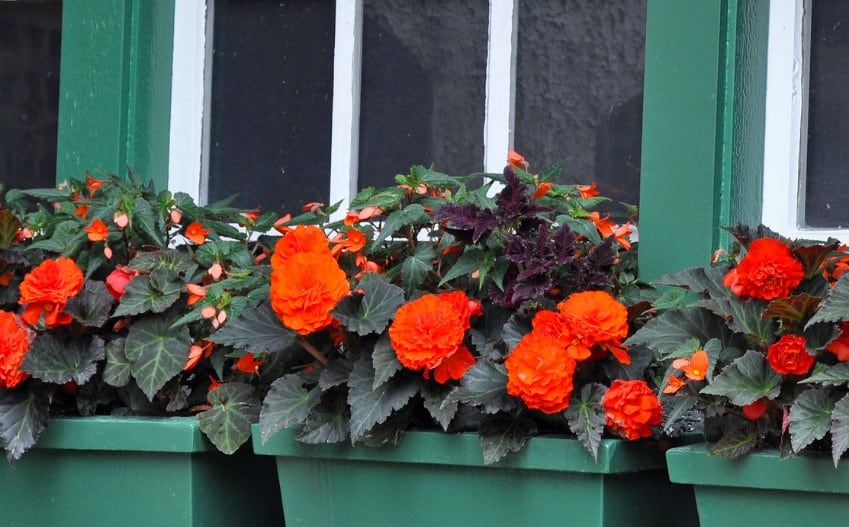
x,y
439,479
759,488
111,471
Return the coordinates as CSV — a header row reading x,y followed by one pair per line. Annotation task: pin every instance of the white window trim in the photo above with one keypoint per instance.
x,y
191,81
784,134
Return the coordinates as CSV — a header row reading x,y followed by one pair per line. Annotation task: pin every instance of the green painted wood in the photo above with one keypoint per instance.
x,y
433,478
702,130
115,88
107,471
760,487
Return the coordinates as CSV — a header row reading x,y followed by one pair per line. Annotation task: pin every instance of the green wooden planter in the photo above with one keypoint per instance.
x,y
439,479
109,471
761,489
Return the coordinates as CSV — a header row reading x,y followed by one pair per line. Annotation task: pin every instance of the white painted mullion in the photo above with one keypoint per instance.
x,y
345,138
186,135
500,83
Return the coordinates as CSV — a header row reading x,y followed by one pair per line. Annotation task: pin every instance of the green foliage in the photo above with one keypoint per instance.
x,y
746,380
255,329
286,405
585,415
234,406
371,308
56,361
23,417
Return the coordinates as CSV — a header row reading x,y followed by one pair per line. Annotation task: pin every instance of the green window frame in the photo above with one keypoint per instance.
x,y
702,158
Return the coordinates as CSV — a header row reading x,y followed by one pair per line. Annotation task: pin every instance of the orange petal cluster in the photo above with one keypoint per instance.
x,y
540,373
429,331
840,345
196,232
768,271
306,281
14,343
46,288
97,231
631,408
595,318
695,368
788,356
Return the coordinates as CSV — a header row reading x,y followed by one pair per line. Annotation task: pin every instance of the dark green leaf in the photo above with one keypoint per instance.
x,y
118,367
744,316
150,293
59,361
168,259
287,404
226,251
386,198
146,221
699,280
517,327
585,415
175,395
672,329
397,220
433,178
681,415
255,329
836,305
641,357
227,424
810,418
66,239
502,435
416,267
470,261
370,406
833,376
23,417
818,336
437,404
157,352
385,361
746,380
371,311
484,384
327,422
335,373
840,429
736,443
92,306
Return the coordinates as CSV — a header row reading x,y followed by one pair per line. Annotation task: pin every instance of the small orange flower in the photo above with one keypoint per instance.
x,y
622,235
215,271
312,206
280,224
542,189
213,384
14,343
196,232
93,185
673,384
587,191
695,368
81,210
247,364
352,217
196,293
202,349
604,225
176,215
516,159
353,241
6,278
370,212
47,287
631,409
840,345
539,373
97,231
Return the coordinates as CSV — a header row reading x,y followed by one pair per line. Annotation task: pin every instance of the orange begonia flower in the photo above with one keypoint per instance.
x,y
117,280
542,189
768,271
370,212
673,384
352,241
352,217
202,349
196,293
14,343
516,159
213,384
596,318
454,366
587,191
97,231
551,324
840,345
196,232
695,368
789,356
755,410
631,409
47,287
539,373
81,210
301,239
247,364
622,235
92,184
280,224
305,287
604,225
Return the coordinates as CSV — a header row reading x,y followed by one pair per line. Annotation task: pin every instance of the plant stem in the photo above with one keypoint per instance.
x,y
319,356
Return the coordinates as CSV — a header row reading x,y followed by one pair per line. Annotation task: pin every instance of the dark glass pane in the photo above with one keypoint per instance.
x,y
272,102
423,83
580,90
827,179
30,39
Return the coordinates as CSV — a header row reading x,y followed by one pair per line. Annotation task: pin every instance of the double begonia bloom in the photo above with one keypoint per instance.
x,y
46,288
768,271
540,373
301,239
429,331
789,356
631,409
14,343
596,318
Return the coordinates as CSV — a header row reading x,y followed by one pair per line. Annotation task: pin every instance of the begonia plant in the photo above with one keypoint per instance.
x,y
756,354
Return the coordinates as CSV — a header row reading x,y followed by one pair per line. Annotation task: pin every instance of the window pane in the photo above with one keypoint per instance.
x,y
423,81
579,90
30,39
272,101
827,174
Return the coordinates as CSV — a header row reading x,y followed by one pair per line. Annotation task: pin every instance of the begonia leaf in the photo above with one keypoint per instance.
x,y
255,329
327,423
792,310
501,435
157,352
118,367
224,250
147,222
736,443
681,415
672,329
699,280
23,417
470,261
384,360
370,309
818,336
152,293
810,418
385,198
746,380
9,226
370,406
397,220
833,376
92,306
585,416
436,402
170,259
812,256
67,238
836,305
287,404
416,267
484,384
58,361
840,429
234,407
334,373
